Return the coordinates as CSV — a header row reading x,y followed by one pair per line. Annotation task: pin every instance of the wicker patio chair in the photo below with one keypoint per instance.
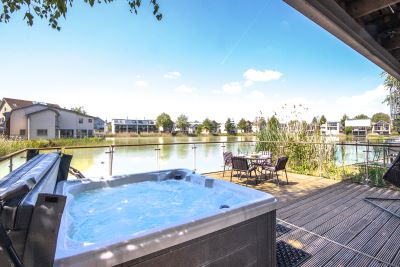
x,y
240,165
227,161
280,166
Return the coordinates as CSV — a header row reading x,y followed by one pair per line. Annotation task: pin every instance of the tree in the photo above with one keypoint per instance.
x,y
249,126
242,125
182,122
261,123
361,117
273,122
79,110
380,117
343,120
52,10
229,126
199,129
164,120
348,130
314,121
207,125
322,120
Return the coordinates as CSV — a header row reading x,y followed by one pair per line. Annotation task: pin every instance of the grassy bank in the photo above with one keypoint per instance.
x,y
8,146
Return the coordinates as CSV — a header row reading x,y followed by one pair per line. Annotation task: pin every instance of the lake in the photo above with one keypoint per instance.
x,y
94,162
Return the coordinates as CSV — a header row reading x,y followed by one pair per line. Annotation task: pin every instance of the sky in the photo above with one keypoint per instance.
x,y
205,58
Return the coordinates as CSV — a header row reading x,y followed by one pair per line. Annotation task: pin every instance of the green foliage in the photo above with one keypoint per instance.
x,y
199,129
80,110
242,125
262,123
182,122
308,154
8,146
164,120
392,84
314,121
343,120
322,120
380,117
348,130
207,125
273,122
229,126
361,117
52,10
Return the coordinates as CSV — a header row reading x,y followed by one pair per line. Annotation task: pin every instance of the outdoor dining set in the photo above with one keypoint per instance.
x,y
258,163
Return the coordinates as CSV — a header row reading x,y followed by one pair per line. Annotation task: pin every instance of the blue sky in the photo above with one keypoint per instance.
x,y
206,58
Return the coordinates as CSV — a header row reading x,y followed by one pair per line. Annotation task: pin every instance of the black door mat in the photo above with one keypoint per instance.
x,y
281,230
289,256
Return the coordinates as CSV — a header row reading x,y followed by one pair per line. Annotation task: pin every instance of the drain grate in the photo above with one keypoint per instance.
x,y
289,256
281,230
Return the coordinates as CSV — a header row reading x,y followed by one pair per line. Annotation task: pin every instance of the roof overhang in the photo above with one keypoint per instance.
x,y
370,27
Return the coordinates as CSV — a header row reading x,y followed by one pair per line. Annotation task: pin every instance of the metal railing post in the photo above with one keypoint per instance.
x,y
366,163
157,149
110,159
11,164
194,157
320,160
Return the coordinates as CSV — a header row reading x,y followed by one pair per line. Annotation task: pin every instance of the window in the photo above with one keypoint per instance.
x,y
80,120
22,132
90,120
41,132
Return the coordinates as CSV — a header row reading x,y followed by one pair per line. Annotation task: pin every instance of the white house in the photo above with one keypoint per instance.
x,y
193,127
40,121
330,128
381,128
359,127
132,126
9,104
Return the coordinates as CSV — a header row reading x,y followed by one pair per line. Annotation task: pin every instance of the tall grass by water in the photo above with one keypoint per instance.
x,y
8,146
308,152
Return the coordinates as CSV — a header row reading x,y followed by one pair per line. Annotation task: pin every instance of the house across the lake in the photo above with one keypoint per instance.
x,y
331,128
27,119
133,126
359,127
381,128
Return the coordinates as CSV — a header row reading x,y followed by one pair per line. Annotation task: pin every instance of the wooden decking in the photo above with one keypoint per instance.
x,y
331,221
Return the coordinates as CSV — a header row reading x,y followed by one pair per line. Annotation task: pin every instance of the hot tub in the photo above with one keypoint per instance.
x,y
165,218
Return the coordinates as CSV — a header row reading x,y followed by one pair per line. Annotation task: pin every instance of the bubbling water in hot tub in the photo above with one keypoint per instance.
x,y
127,210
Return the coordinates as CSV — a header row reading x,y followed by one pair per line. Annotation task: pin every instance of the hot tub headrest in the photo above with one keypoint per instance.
x,y
19,189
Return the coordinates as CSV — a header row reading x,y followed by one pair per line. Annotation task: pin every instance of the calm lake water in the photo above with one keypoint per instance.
x,y
94,162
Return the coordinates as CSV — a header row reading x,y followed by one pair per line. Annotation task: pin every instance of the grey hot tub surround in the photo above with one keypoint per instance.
x,y
241,235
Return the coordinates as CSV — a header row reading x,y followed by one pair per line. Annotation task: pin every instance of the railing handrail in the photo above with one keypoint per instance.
x,y
391,144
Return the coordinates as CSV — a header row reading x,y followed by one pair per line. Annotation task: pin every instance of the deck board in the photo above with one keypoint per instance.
x,y
331,220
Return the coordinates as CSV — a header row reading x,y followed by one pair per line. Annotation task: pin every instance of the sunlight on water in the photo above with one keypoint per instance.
x,y
101,214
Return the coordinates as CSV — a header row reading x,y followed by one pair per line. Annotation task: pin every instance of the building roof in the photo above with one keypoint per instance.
x,y
20,103
56,108
358,123
45,109
370,27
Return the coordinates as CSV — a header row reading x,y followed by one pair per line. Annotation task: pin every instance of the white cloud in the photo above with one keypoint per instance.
x,y
173,75
233,88
184,89
252,75
368,97
141,83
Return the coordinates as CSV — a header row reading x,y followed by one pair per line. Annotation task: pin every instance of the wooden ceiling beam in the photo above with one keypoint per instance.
x,y
396,53
392,43
360,8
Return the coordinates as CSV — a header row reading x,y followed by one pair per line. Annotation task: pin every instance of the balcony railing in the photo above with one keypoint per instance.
x,y
362,161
